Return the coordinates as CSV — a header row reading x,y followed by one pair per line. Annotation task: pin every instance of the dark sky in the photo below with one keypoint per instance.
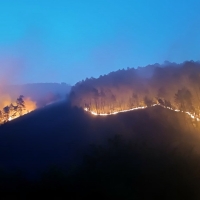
x,y
69,40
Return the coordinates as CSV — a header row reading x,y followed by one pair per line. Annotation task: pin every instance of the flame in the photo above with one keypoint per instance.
x,y
5,100
30,105
13,114
139,108
116,112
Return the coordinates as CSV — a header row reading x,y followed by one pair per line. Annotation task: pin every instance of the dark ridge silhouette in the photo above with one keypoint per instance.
x,y
67,152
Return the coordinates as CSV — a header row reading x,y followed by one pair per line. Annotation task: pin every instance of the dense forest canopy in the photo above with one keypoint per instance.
x,y
172,85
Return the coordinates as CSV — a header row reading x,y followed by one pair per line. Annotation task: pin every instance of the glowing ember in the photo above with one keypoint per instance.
x,y
139,108
114,113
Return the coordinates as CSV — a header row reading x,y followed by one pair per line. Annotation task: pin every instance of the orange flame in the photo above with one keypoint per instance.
x,y
6,101
138,108
30,105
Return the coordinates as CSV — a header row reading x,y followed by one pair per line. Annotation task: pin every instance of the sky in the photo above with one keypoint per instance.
x,y
70,40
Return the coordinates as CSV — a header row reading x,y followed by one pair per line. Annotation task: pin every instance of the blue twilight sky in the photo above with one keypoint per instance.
x,y
69,40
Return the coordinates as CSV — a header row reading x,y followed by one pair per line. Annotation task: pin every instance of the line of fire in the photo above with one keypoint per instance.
x,y
17,109
173,86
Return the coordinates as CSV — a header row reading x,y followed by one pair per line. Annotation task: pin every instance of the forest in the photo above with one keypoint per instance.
x,y
15,110
62,151
65,153
35,95
176,86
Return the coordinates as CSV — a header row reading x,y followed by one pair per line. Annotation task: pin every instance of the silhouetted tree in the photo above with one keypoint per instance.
x,y
6,113
183,98
148,101
143,86
1,117
13,110
20,105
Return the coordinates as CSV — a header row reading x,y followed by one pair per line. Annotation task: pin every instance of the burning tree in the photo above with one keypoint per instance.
x,y
20,105
183,98
13,111
1,117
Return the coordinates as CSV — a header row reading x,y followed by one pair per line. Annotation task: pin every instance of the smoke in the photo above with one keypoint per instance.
x,y
5,100
127,89
11,69
35,95
30,105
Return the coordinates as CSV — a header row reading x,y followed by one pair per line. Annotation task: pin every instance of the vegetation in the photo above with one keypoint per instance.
x,y
63,152
145,154
13,111
172,85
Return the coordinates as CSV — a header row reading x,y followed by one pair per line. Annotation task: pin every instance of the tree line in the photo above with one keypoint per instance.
x,y
13,110
172,85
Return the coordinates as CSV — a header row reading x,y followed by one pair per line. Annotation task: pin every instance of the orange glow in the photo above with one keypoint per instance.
x,y
13,112
5,100
30,105
139,108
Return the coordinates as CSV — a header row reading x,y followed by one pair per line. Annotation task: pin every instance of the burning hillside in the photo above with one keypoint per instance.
x,y
172,86
36,95
41,93
13,110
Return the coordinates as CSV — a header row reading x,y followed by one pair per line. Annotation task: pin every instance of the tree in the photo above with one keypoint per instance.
x,y
183,99
1,117
6,113
20,105
13,110
148,102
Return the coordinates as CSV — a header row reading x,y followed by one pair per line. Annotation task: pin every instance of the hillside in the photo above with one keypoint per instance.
x,y
171,85
151,140
41,93
18,100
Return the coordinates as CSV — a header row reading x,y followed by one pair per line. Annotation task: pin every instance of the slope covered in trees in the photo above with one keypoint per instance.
x,y
151,153
16,109
68,153
172,85
34,96
41,93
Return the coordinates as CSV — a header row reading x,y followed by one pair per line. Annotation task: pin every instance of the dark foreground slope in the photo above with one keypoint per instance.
x,y
67,152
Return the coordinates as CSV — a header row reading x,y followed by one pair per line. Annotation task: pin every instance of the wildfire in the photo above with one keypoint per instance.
x,y
139,108
30,105
116,112
11,110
